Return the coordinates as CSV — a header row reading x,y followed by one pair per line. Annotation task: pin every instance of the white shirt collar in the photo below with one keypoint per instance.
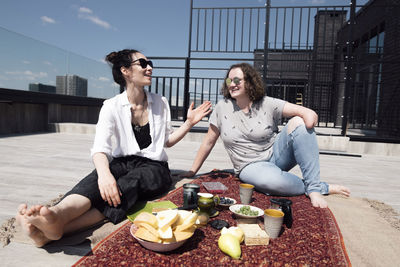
x,y
125,101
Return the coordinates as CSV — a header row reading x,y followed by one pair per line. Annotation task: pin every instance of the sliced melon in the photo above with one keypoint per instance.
x,y
182,235
188,222
170,240
146,217
149,228
166,218
166,234
145,234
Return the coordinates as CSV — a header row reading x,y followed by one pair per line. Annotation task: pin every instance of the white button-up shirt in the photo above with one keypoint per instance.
x,y
115,121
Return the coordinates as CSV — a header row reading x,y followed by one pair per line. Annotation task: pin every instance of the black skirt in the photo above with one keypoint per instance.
x,y
138,178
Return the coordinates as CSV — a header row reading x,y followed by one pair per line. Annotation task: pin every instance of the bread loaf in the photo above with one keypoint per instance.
x,y
254,235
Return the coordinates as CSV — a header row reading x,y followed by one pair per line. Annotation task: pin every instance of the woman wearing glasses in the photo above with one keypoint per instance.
x,y
134,169
247,122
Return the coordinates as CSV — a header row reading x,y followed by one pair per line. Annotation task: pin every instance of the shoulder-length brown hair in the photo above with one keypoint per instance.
x,y
253,83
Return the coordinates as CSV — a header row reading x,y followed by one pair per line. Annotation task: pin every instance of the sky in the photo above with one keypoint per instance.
x,y
92,28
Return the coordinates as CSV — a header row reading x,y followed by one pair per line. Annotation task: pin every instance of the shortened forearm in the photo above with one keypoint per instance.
x,y
178,134
202,154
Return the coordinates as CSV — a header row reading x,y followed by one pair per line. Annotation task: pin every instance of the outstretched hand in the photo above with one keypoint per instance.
x,y
187,174
195,115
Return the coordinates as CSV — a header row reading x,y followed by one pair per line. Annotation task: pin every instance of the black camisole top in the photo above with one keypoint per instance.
x,y
142,135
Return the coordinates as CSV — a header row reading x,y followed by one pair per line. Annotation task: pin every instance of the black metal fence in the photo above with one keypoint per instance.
x,y
341,61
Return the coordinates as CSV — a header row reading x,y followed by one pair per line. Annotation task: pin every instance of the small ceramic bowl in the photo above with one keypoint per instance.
x,y
236,208
158,247
227,205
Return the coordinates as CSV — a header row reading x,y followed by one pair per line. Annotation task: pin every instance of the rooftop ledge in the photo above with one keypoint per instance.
x,y
328,144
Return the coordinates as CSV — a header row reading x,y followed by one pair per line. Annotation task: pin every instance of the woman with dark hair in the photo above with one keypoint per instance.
x,y
135,168
247,122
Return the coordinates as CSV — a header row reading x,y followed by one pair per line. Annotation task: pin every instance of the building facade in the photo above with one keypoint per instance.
x,y
375,87
305,76
350,74
43,88
288,72
71,85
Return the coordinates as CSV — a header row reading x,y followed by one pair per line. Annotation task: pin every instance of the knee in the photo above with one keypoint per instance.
x,y
294,123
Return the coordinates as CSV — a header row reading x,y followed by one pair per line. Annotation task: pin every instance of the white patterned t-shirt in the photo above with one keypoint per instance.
x,y
248,137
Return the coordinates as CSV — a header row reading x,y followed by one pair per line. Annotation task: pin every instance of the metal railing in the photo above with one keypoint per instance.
x,y
332,55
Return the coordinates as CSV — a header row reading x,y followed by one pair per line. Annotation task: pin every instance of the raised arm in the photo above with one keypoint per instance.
x,y
206,146
309,116
193,117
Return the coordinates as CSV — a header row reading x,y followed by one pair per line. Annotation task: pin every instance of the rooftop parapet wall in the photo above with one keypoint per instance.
x,y
31,112
326,143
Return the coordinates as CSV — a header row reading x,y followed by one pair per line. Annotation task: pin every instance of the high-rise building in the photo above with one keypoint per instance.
x,y
304,76
43,88
71,85
375,82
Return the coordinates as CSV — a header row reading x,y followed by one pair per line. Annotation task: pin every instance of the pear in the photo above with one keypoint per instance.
x,y
235,231
230,245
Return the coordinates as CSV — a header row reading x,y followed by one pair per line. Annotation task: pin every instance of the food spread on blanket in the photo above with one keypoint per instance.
x,y
166,227
170,226
209,245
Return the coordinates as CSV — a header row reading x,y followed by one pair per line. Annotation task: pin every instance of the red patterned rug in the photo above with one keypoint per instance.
x,y
313,240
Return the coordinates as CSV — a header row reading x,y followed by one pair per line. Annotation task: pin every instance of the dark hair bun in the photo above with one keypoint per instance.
x,y
120,59
112,57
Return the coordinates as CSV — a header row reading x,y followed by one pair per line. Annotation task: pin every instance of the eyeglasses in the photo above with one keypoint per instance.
x,y
235,80
143,63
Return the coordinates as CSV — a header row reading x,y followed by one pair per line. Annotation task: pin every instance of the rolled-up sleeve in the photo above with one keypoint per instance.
x,y
276,105
214,116
104,131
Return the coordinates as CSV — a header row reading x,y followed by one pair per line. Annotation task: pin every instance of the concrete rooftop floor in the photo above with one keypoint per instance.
x,y
38,167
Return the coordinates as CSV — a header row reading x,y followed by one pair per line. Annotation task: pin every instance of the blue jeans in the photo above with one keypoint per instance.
x,y
272,177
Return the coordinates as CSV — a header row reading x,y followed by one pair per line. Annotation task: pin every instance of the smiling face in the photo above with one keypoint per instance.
x,y
236,86
135,74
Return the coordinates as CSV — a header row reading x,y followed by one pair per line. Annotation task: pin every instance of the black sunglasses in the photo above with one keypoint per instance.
x,y
143,63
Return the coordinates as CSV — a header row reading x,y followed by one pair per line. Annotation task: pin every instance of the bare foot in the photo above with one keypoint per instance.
x,y
31,231
317,200
45,220
339,189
